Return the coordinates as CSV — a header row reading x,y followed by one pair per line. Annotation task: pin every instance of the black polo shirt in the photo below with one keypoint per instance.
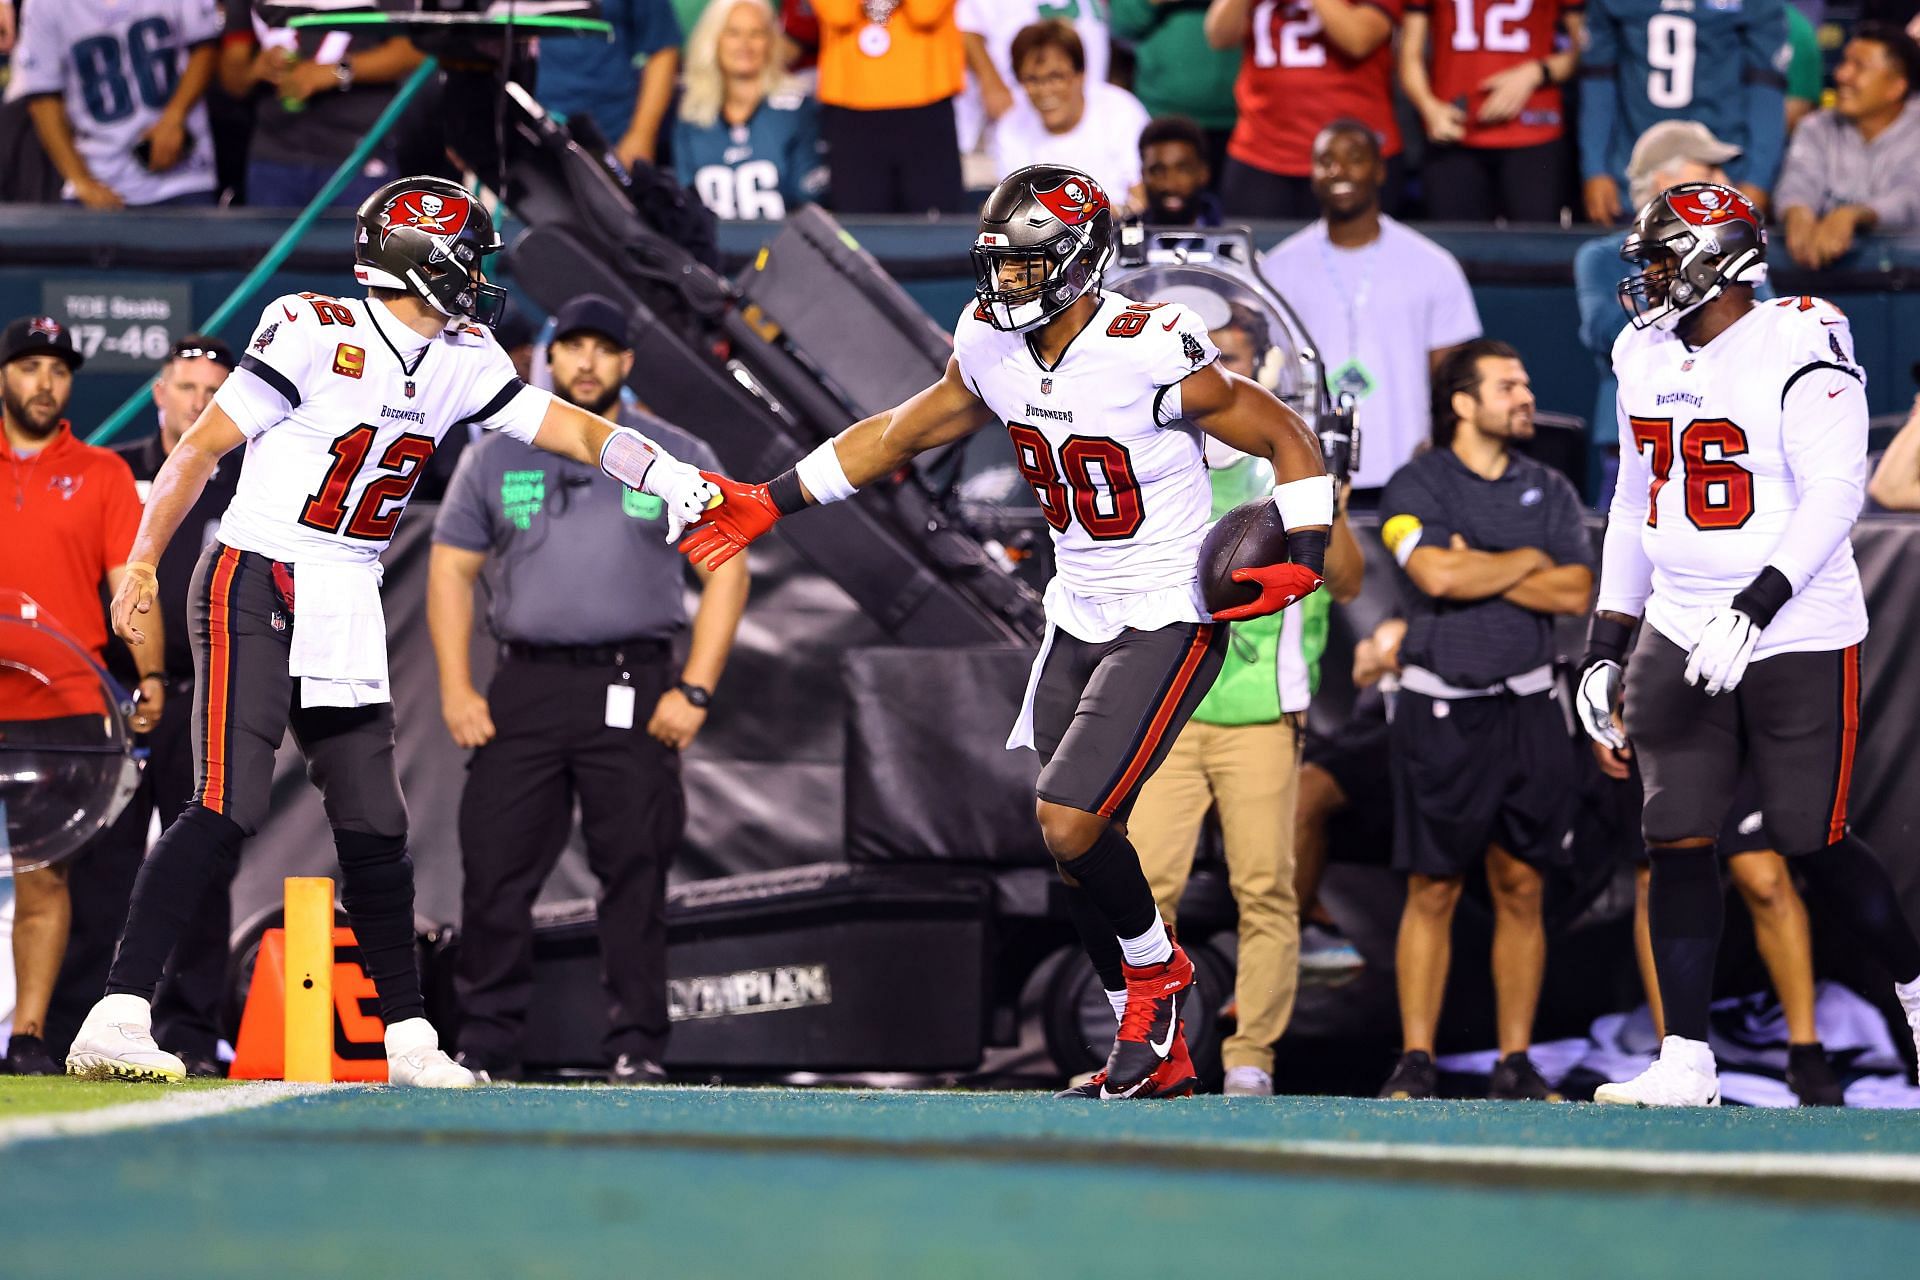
x,y
1435,496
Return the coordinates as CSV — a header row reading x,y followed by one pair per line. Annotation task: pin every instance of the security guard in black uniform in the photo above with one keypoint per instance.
x,y
586,599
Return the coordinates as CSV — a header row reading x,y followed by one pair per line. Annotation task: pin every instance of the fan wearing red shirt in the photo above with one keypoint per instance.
x,y
1304,64
1487,86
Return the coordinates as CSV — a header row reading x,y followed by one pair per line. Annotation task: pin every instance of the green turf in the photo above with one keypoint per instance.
x,y
50,1095
782,1183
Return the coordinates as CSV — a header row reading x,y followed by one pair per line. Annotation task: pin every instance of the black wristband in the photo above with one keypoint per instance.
x,y
1546,73
1308,547
1764,596
785,493
1606,640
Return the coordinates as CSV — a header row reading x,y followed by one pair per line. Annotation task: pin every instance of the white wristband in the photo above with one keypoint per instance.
x,y
1305,503
628,456
821,472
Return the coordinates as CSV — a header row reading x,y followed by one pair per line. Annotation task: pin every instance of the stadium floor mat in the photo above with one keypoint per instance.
x,y
579,1181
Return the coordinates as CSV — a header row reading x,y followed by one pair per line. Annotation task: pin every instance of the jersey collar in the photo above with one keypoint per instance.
x,y
373,314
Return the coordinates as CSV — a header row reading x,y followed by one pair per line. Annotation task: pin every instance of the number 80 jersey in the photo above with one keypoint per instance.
x,y
342,405
1118,476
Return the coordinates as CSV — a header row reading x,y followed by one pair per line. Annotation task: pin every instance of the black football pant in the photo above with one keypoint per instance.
x,y
552,746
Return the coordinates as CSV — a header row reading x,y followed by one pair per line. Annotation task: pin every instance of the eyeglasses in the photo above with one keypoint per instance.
x,y
1052,80
219,355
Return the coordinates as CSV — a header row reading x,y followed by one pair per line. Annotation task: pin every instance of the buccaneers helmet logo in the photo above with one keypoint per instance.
x,y
1710,207
1074,201
436,215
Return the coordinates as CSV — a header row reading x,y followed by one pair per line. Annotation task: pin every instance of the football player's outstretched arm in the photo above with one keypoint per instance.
x,y
176,487
628,457
866,451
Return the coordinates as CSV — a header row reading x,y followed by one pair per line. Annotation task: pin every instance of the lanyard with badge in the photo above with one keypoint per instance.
x,y
874,40
1351,377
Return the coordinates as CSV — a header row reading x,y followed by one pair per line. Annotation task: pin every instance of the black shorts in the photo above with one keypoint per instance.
x,y
1105,715
1792,723
1475,772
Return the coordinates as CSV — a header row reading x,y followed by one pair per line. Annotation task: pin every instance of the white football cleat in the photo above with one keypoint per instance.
x,y
116,1043
1909,993
1684,1075
414,1057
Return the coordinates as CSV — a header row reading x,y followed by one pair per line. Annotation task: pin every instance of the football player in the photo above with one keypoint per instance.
x,y
339,402
1104,399
1743,436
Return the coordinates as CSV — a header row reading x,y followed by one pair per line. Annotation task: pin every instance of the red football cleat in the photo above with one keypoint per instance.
x,y
1151,1025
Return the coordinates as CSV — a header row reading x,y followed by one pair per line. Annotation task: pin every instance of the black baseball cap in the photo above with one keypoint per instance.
x,y
39,336
592,313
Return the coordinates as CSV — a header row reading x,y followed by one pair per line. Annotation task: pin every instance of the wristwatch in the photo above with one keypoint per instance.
x,y
343,72
695,694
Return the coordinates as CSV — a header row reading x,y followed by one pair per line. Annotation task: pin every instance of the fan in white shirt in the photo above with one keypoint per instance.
x,y
1064,117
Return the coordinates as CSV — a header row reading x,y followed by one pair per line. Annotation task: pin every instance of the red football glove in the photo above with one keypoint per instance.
x,y
744,513
1280,586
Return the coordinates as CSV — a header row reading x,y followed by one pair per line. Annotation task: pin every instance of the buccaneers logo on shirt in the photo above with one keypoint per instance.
x,y
1074,201
436,215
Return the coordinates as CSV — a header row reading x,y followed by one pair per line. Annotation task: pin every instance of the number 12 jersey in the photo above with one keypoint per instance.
x,y
342,405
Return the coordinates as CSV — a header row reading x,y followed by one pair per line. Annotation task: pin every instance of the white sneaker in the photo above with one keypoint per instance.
x,y
1684,1075
116,1043
414,1057
1247,1082
1909,993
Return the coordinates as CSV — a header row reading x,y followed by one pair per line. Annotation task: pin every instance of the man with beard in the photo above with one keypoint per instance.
x,y
587,703
1174,175
68,513
1482,764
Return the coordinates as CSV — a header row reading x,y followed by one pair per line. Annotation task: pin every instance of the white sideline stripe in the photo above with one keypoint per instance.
x,y
153,1112
1871,1167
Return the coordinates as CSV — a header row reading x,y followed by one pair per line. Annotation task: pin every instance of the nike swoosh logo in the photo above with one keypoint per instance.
x,y
1161,1048
1836,391
1833,322
289,311
1168,326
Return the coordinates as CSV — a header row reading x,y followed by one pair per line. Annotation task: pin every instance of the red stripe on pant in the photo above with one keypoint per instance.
x,y
1162,717
1849,736
213,786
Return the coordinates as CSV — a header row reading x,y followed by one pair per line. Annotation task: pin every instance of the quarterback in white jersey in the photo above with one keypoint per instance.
x,y
113,80
1103,399
1743,435
339,403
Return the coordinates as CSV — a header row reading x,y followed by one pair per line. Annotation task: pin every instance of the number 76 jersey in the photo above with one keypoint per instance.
x,y
342,405
1717,446
1116,472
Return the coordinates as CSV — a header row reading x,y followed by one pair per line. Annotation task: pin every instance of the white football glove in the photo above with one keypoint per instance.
x,y
687,493
1594,697
1720,656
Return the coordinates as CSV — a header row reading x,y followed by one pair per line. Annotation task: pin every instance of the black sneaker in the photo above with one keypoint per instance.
x,y
27,1056
1414,1076
632,1069
1811,1077
1516,1079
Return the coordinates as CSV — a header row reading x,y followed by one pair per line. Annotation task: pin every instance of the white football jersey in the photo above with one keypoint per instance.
x,y
1118,474
1716,447
342,405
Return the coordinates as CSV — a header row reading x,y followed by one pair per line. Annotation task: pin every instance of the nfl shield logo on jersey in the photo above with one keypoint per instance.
x,y
1046,386
409,388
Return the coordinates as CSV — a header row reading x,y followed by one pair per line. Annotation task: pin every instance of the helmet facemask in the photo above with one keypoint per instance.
x,y
1046,237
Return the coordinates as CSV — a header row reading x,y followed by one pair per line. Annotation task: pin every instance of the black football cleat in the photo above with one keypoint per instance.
x,y
1151,1025
1414,1076
27,1056
1516,1079
1811,1077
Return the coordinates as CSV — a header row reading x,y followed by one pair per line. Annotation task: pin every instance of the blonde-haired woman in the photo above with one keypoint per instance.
x,y
746,140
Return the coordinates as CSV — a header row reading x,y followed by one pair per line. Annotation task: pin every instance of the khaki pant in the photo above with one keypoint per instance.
x,y
1252,773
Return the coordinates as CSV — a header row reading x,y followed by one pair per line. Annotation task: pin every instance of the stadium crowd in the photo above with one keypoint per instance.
x,y
1355,118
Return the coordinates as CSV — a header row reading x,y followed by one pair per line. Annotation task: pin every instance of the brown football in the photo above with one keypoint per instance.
x,y
1246,537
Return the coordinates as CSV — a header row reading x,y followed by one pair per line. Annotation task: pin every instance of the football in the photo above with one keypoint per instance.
x,y
1246,537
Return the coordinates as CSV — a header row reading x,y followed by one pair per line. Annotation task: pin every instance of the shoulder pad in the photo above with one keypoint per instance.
x,y
467,334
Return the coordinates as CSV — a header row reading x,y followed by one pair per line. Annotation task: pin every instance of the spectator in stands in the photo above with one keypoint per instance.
x,y
1175,71
987,29
889,71
188,1007
1483,768
115,93
1666,155
623,85
747,141
587,703
1806,70
1855,168
1384,303
1174,175
1240,751
317,94
1491,105
1303,65
66,527
1896,480
1723,65
1065,118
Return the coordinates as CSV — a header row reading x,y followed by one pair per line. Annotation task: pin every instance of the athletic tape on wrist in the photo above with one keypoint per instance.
x,y
628,456
1305,503
1765,596
821,472
141,569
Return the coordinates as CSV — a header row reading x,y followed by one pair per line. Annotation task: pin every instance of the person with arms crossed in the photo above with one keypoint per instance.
x,y
1105,400
1743,435
586,703
340,402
